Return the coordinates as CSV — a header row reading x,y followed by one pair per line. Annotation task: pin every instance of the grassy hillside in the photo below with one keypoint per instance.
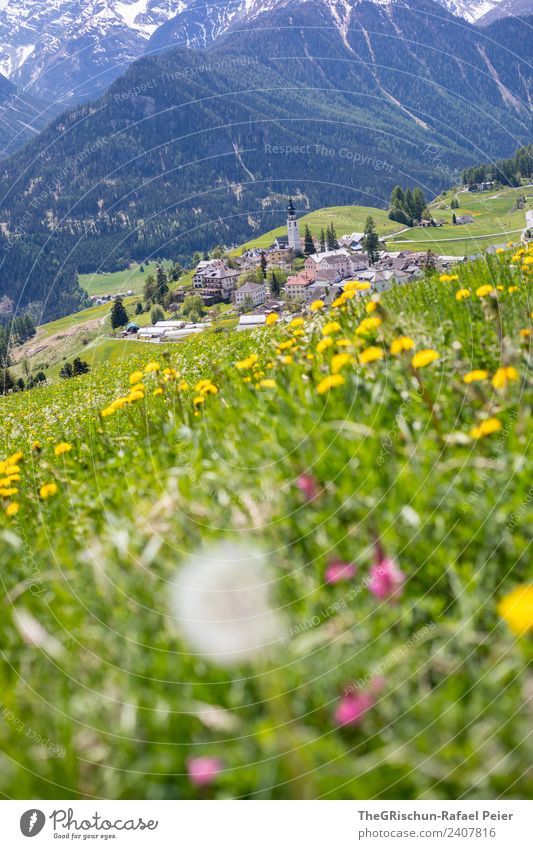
x,y
346,219
495,221
362,497
113,282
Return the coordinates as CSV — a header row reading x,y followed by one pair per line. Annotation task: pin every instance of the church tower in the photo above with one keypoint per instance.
x,y
292,229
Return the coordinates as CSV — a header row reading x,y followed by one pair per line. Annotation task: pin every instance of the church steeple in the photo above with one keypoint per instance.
x,y
293,236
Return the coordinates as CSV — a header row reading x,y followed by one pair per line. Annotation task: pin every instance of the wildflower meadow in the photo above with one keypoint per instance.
x,y
290,563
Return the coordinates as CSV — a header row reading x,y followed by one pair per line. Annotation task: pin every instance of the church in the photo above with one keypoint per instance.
x,y
293,236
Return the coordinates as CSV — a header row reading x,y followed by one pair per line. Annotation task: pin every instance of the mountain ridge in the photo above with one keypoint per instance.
x,y
189,148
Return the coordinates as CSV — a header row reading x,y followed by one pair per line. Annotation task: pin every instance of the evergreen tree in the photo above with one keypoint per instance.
x,y
322,241
264,265
156,314
397,198
119,316
419,204
309,245
161,286
409,204
6,382
79,367
139,308
331,238
66,371
454,218
371,241
149,289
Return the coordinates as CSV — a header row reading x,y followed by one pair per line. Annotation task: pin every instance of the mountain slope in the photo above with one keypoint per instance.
x,y
71,49
193,147
507,8
22,117
197,24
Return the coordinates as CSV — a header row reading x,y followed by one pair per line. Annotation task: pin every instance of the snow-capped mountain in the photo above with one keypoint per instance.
x,y
197,25
64,49
507,9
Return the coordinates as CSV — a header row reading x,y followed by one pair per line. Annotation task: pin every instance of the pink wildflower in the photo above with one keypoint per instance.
x,y
203,770
386,578
353,707
308,486
338,570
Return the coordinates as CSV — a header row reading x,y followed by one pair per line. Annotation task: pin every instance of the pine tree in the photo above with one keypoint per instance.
x,y
79,366
322,241
331,238
397,198
264,265
119,316
419,204
149,290
66,371
371,241
161,286
309,246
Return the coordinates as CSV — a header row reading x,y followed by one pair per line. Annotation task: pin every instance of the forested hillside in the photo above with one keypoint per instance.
x,y
195,147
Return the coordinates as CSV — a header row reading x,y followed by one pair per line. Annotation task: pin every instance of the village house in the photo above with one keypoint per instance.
x,y
203,269
340,261
250,293
464,219
352,241
219,279
296,287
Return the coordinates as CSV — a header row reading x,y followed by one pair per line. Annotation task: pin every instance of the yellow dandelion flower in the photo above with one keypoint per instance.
x,y
36,447
368,325
62,448
250,361
268,383
183,386
424,358
371,307
512,289
371,355
338,361
475,375
343,343
297,322
330,327
461,294
316,305
503,375
488,426
401,343
329,382
158,391
499,250
271,318
483,291
151,367
286,360
198,400
324,343
136,377
516,609
525,332
47,490
15,458
12,509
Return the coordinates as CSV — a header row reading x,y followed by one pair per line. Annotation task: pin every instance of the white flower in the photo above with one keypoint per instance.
x,y
221,598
